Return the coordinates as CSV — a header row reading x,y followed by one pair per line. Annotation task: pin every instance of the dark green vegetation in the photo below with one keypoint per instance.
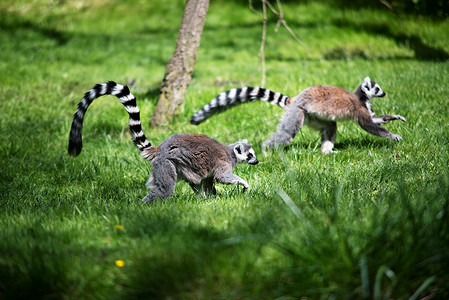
x,y
368,222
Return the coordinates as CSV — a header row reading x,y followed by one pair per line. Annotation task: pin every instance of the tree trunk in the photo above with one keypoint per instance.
x,y
180,67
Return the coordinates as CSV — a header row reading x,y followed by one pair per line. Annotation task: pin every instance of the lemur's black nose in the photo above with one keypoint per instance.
x,y
253,161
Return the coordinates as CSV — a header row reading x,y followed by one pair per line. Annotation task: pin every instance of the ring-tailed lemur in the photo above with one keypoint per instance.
x,y
195,158
319,106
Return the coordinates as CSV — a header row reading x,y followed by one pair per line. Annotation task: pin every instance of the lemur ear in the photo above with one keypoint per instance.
x,y
244,141
238,149
366,85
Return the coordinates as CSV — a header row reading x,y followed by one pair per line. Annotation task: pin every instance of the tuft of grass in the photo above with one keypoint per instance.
x,y
397,248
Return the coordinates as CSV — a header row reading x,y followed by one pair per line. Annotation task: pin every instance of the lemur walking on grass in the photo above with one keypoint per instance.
x,y
195,158
319,106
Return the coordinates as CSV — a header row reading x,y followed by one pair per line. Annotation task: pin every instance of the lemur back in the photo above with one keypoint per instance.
x,y
320,107
237,96
195,158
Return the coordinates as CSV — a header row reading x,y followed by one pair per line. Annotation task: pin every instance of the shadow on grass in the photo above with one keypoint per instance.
x,y
39,263
402,248
194,260
422,51
14,24
360,142
363,143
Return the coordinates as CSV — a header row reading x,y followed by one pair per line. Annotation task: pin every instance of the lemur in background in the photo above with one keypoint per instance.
x,y
195,158
319,106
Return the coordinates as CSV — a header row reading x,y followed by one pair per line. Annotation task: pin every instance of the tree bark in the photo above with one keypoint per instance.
x,y
180,67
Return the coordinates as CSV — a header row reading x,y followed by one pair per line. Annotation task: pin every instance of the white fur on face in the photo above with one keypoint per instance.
x,y
371,89
239,153
252,152
378,91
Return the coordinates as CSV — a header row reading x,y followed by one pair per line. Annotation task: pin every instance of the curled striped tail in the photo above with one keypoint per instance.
x,y
235,97
126,98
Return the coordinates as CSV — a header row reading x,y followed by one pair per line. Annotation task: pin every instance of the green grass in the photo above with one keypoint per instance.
x,y
371,221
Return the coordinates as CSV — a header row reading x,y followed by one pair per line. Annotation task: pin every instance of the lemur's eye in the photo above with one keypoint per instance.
x,y
250,155
377,90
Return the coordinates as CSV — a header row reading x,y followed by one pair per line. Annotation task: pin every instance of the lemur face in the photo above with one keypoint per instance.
x,y
372,89
251,158
245,153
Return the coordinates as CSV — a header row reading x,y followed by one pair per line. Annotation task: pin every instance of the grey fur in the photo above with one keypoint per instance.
x,y
199,160
195,158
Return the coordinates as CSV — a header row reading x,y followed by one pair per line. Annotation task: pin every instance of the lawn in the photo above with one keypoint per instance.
x,y
369,222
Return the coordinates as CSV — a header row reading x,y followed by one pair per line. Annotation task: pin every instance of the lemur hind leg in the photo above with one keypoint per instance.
x,y
328,137
206,187
292,121
196,188
384,119
162,180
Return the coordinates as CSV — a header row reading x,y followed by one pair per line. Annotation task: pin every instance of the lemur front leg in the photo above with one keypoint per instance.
x,y
292,121
229,178
384,119
371,127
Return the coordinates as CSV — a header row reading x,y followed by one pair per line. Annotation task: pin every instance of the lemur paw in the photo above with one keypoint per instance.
x,y
149,199
397,138
328,151
146,199
245,186
398,117
267,145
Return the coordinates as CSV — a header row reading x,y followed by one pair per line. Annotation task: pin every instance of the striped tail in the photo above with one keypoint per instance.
x,y
126,98
235,97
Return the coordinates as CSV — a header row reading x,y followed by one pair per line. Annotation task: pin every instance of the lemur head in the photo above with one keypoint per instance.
x,y
371,89
244,152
